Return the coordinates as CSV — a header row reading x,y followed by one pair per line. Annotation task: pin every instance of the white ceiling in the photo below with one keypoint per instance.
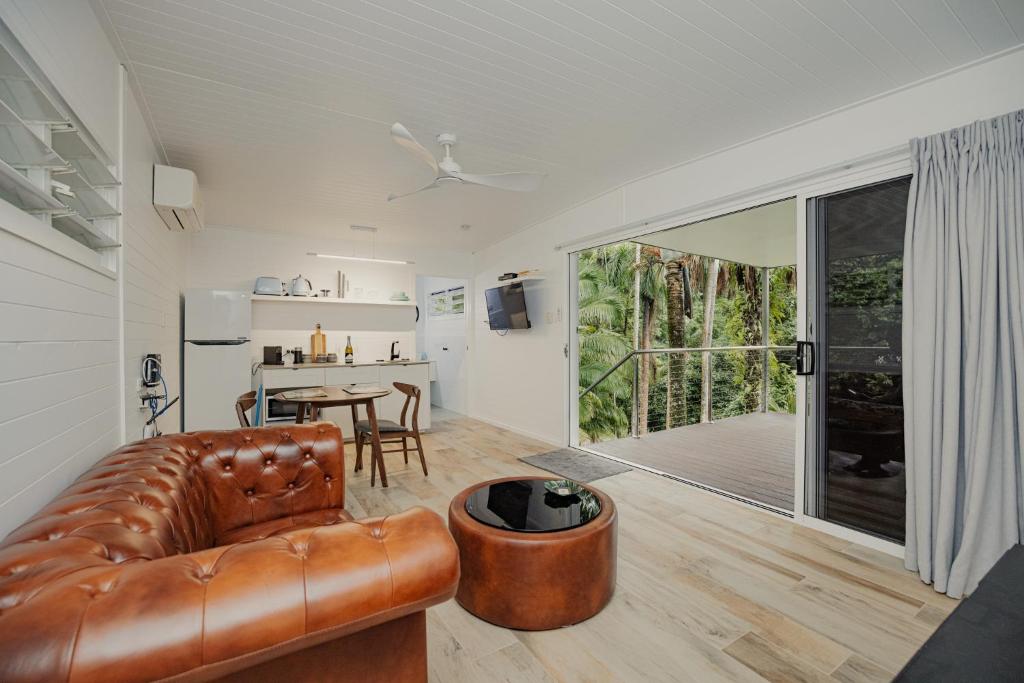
x,y
282,107
764,236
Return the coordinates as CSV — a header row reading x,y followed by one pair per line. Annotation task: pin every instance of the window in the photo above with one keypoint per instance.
x,y
50,167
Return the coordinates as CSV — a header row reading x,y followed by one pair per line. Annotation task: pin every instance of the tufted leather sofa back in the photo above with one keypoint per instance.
x,y
172,495
253,476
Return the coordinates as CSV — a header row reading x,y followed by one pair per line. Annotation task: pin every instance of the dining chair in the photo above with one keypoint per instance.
x,y
244,404
408,427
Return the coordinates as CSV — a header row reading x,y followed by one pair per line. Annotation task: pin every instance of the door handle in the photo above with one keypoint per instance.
x,y
804,358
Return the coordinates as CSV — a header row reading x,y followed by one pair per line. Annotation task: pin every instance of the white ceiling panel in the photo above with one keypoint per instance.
x,y
283,107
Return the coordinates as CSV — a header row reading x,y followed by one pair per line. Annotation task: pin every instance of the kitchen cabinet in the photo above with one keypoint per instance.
x,y
357,374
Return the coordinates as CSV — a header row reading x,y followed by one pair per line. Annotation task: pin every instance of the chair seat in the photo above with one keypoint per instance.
x,y
382,426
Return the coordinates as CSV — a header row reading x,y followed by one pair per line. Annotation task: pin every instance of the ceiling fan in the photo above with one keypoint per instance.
x,y
447,171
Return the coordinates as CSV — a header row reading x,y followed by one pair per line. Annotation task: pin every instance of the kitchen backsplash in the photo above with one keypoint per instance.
x,y
368,346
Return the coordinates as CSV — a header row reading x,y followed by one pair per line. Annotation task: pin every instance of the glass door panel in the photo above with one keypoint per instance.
x,y
858,460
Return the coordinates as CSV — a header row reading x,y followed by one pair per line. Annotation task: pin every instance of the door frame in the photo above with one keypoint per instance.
x,y
465,383
876,167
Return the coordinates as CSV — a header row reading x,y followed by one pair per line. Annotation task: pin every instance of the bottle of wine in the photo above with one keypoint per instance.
x,y
317,343
349,356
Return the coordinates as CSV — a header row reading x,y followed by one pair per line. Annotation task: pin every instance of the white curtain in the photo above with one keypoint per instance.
x,y
963,351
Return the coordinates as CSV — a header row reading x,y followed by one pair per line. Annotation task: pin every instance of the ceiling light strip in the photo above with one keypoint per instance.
x,y
361,258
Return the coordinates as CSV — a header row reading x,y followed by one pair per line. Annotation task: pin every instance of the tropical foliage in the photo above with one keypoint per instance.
x,y
633,296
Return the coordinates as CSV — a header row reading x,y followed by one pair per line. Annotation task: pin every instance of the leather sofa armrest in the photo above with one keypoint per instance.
x,y
220,610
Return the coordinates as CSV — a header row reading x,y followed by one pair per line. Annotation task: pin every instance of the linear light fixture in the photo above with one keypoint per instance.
x,y
361,258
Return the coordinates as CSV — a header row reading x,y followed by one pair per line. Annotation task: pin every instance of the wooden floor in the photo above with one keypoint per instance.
x,y
748,455
709,589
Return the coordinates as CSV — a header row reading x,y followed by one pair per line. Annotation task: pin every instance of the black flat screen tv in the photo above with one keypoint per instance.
x,y
506,307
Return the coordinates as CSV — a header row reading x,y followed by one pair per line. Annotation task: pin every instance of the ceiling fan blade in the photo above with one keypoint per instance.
x,y
514,182
401,135
431,186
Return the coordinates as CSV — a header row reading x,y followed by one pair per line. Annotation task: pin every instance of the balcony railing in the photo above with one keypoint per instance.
x,y
715,382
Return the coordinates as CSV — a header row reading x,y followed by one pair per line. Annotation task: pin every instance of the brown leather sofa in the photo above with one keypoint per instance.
x,y
220,555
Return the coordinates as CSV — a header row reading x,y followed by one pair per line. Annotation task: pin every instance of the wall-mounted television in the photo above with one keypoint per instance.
x,y
506,307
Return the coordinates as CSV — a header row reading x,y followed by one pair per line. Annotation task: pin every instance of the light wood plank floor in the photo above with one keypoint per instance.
x,y
708,589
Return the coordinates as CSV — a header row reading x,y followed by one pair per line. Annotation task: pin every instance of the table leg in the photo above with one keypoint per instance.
x,y
300,413
359,451
314,412
378,455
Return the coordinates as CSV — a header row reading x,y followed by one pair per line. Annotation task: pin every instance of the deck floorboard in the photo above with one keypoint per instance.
x,y
748,455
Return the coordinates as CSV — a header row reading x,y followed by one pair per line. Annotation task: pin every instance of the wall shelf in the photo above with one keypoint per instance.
x,y
328,300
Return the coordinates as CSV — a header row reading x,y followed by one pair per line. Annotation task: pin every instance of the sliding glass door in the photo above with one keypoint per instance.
x,y
855,444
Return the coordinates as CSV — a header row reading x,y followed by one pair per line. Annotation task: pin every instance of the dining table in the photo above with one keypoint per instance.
x,y
335,396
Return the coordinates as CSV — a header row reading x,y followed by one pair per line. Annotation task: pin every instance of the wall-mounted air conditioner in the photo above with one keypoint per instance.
x,y
176,198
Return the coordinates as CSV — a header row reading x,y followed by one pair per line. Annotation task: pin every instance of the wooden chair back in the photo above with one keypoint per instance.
x,y
244,404
412,396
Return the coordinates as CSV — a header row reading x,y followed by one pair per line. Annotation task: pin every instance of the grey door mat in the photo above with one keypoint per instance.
x,y
576,465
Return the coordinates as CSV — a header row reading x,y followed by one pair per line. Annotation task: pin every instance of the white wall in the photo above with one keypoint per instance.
x,y
154,278
520,380
60,393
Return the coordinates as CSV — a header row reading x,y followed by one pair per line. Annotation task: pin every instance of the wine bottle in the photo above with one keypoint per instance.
x,y
317,343
349,356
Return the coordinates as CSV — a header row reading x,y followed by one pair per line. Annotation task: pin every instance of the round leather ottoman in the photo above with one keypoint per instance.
x,y
518,576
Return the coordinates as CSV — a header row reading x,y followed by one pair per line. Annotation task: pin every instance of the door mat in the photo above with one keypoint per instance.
x,y
576,465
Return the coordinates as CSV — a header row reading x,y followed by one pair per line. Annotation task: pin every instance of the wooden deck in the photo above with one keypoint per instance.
x,y
748,455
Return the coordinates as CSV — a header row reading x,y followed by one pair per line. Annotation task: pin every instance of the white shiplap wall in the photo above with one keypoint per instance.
x,y
154,275
58,373
60,386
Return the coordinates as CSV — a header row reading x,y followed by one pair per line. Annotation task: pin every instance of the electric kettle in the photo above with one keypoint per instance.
x,y
301,287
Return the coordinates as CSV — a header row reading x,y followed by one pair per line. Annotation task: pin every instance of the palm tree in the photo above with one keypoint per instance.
x,y
710,297
680,273
602,309
651,287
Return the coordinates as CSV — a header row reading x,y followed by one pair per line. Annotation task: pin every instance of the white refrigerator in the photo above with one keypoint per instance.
x,y
217,355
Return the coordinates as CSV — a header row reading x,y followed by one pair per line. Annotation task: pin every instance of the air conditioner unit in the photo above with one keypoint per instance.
x,y
176,198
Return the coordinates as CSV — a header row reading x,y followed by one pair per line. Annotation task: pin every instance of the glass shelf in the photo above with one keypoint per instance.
x,y
20,191
87,202
20,93
70,145
78,228
20,147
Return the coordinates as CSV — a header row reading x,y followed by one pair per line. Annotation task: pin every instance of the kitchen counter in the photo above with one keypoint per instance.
x,y
301,366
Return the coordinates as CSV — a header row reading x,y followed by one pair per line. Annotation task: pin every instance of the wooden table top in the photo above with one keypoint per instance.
x,y
336,396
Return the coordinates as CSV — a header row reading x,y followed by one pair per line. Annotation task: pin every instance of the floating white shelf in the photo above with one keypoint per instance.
x,y
327,300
